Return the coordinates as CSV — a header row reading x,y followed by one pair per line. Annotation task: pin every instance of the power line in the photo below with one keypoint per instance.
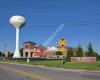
x,y
67,25
92,23
84,24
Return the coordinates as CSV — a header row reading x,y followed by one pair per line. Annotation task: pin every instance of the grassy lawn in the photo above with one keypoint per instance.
x,y
58,64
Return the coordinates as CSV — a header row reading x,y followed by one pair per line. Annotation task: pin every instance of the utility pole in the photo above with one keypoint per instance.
x,y
5,51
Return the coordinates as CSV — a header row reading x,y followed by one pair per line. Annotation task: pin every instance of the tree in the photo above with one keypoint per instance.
x,y
21,51
42,46
70,52
0,54
98,57
79,52
10,55
90,52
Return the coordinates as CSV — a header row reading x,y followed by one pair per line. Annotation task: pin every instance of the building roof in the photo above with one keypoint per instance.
x,y
49,49
30,42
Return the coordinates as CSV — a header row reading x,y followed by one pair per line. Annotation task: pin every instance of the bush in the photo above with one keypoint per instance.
x,y
98,57
67,59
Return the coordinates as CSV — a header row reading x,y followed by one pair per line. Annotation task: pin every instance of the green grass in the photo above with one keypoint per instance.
x,y
58,64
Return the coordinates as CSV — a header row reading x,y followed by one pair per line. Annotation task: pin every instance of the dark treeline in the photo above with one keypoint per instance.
x,y
79,52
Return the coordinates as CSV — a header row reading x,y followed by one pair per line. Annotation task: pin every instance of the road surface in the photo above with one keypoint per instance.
x,y
26,72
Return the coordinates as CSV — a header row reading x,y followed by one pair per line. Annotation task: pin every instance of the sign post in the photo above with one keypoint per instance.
x,y
62,44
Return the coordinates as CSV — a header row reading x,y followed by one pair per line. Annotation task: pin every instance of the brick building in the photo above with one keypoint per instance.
x,y
31,50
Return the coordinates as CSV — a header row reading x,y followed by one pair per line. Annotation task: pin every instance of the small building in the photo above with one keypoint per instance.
x,y
50,52
31,50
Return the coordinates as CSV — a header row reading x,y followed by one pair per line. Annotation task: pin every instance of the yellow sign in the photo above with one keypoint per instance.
x,y
62,42
62,49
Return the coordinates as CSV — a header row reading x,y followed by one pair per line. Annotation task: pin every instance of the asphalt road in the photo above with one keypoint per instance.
x,y
25,72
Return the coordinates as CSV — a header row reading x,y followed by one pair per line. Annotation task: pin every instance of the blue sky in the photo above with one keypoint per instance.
x,y
81,19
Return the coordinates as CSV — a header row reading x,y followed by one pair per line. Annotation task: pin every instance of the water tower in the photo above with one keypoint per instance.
x,y
18,22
